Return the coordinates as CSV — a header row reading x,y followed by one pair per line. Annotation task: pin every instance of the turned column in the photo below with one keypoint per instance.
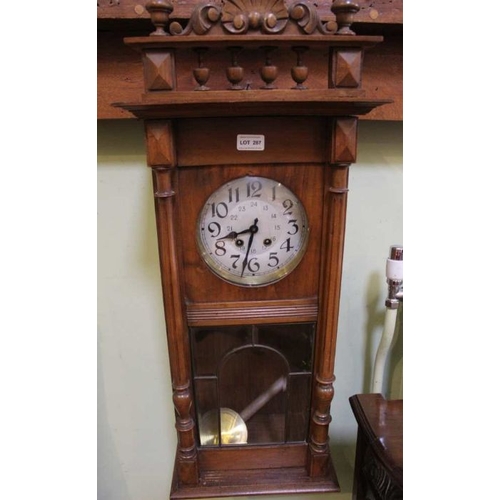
x,y
161,158
342,153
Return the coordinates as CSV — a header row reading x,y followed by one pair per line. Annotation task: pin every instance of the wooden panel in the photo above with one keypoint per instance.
x,y
218,140
202,285
246,458
252,313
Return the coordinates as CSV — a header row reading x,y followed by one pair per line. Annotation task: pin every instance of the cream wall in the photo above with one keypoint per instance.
x,y
136,434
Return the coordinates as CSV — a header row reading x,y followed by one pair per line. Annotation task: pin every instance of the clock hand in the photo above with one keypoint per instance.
x,y
230,236
252,230
233,234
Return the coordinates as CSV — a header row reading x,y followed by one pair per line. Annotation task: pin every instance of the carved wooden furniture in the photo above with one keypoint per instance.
x,y
119,69
250,113
378,472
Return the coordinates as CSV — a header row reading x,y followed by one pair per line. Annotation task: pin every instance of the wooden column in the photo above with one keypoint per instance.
x,y
342,153
161,157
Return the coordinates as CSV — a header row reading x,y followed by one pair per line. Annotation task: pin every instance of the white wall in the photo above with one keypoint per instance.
x,y
136,434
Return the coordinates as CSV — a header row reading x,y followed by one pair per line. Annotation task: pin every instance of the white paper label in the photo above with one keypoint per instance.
x,y
246,142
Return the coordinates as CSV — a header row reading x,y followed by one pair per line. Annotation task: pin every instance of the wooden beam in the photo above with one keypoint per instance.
x,y
372,11
120,76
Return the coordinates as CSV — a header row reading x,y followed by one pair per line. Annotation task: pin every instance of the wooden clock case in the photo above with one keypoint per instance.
x,y
309,122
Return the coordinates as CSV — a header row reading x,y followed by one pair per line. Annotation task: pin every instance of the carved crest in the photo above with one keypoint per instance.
x,y
267,16
270,16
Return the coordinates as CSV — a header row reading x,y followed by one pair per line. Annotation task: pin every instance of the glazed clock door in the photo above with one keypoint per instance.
x,y
252,383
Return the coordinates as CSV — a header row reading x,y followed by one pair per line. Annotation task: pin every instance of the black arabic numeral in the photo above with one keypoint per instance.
x,y
235,193
273,257
219,209
287,205
214,229
235,258
294,225
253,265
253,189
220,248
286,245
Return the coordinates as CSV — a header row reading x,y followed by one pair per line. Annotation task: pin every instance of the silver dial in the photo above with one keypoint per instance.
x,y
252,231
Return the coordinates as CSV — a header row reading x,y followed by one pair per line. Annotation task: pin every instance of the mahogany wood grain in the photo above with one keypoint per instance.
x,y
335,203
291,455
243,473
251,41
120,76
371,11
252,103
287,481
305,141
311,140
252,312
305,180
178,346
379,448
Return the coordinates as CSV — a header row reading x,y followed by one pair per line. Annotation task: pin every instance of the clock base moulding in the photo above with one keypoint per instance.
x,y
290,479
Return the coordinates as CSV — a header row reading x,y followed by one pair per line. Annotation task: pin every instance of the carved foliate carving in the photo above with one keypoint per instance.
x,y
204,16
266,16
380,480
308,19
239,16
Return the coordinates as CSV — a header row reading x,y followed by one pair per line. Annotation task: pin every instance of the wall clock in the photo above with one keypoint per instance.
x,y
251,232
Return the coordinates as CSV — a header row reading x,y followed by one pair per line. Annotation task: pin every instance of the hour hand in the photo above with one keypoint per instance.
x,y
230,236
233,234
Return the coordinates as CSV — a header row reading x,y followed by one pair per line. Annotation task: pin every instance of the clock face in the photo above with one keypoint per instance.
x,y
252,231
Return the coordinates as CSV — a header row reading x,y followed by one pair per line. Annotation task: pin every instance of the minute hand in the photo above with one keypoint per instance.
x,y
252,229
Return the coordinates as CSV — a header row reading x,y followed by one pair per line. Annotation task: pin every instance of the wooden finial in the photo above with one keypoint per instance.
x,y
344,11
159,10
201,73
299,71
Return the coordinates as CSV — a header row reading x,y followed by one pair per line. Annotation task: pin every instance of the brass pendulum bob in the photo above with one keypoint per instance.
x,y
233,429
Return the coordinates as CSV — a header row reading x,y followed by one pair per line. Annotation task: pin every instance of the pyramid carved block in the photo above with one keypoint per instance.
x,y
159,72
346,69
345,140
161,151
